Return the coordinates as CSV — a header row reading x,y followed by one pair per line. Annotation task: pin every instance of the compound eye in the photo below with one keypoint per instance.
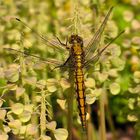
x,y
71,39
79,40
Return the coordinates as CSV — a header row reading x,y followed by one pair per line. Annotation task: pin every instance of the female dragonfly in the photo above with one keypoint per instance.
x,y
79,58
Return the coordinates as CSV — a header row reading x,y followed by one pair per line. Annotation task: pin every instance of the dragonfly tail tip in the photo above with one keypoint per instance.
x,y
84,130
111,8
18,19
123,31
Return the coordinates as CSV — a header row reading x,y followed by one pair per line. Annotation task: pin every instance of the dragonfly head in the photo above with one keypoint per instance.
x,y
76,39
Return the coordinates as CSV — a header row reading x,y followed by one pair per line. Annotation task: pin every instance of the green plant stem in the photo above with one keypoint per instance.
x,y
34,118
43,114
53,15
91,134
70,104
23,70
75,15
110,121
102,117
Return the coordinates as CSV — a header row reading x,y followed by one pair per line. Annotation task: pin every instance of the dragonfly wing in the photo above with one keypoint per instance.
x,y
66,64
95,58
51,43
51,61
93,44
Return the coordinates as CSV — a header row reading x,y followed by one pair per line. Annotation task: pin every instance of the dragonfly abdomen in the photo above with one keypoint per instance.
x,y
77,55
80,89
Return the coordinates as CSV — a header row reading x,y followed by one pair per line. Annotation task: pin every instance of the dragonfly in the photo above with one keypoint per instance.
x,y
80,57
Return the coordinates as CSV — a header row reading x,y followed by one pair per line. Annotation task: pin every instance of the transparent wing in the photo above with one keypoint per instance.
x,y
51,43
63,65
95,58
93,44
51,61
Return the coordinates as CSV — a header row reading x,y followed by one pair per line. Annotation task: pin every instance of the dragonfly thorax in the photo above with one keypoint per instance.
x,y
75,39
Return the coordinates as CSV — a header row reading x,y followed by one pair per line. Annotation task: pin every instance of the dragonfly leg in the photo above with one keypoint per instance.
x,y
59,66
61,43
64,65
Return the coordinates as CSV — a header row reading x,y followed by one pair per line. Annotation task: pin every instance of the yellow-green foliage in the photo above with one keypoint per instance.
x,y
33,96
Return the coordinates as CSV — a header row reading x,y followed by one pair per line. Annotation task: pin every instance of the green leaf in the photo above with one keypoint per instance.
x,y
30,81
135,89
60,134
41,84
29,107
51,125
38,98
64,83
43,137
115,50
1,103
137,76
90,83
90,99
51,85
2,114
92,95
62,103
12,86
2,82
113,31
25,116
4,136
132,118
12,74
31,129
113,73
1,125
51,88
22,130
102,76
10,115
115,88
131,103
7,129
39,66
136,40
19,92
128,15
118,63
14,124
17,108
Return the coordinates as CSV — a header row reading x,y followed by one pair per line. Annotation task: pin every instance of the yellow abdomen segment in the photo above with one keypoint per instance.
x,y
77,53
80,90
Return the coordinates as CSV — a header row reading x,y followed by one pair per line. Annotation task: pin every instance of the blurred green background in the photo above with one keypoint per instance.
x,y
32,95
